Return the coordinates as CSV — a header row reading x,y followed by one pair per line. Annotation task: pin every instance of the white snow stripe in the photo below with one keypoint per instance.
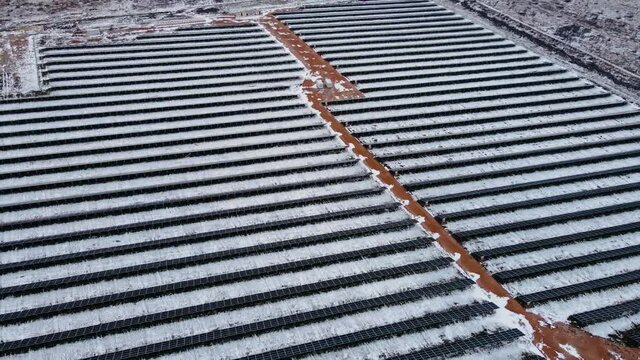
x,y
345,325
171,212
211,225
212,246
182,162
201,296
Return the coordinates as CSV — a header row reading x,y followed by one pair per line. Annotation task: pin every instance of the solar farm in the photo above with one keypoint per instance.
x,y
382,179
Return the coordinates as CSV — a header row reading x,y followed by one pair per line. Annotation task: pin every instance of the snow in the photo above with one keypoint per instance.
x,y
36,106
228,291
342,37
409,37
170,73
198,136
98,55
469,96
608,29
522,178
342,58
362,7
537,193
21,77
500,119
260,140
360,29
368,48
468,103
182,64
262,100
413,58
620,140
352,17
27,67
575,276
527,159
281,165
208,226
181,127
203,247
414,341
166,118
330,44
201,271
571,350
262,312
144,45
168,85
548,210
206,30
607,328
171,212
560,310
552,230
262,163
470,78
405,19
513,350
470,87
212,246
184,193
530,152
334,7
432,64
102,66
313,136
336,327
433,75
563,252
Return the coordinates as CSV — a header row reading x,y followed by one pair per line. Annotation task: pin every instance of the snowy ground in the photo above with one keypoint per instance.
x,y
25,23
444,107
239,210
597,38
611,29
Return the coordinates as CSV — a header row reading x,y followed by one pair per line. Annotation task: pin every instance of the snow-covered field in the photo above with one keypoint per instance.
x,y
167,191
534,169
191,204
28,24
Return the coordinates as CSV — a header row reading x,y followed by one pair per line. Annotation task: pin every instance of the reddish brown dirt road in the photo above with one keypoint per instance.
x,y
320,71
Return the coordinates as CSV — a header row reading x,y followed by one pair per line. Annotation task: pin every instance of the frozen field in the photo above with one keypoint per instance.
x,y
173,188
175,196
534,169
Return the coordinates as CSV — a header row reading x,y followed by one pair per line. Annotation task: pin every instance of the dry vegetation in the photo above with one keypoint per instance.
x,y
609,29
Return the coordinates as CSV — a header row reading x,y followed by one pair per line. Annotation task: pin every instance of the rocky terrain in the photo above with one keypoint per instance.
x,y
609,29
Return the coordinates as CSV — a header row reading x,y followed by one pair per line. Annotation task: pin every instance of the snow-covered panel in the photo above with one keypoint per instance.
x,y
533,169
175,195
